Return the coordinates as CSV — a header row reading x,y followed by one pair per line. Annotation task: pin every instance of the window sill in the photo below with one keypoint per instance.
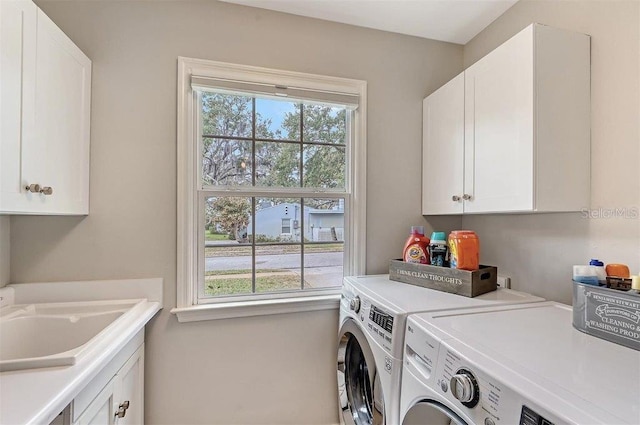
x,y
230,310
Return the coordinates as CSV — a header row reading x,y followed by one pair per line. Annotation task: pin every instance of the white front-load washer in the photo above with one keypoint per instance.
x,y
373,312
510,365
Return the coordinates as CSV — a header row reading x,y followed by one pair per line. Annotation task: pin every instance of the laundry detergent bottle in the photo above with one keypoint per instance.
x,y
416,249
464,250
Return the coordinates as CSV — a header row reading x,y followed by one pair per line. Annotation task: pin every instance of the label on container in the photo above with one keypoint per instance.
x,y
612,315
453,254
438,254
416,254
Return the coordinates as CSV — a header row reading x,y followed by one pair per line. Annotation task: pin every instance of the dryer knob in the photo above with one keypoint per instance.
x,y
465,388
355,304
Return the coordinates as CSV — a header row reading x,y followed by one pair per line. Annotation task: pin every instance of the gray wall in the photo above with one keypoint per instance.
x,y
275,369
539,250
5,253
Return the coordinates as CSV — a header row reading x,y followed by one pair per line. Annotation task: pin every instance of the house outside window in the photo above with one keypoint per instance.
x,y
263,155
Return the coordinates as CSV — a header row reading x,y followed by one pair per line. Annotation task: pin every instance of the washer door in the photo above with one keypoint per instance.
x,y
430,412
360,394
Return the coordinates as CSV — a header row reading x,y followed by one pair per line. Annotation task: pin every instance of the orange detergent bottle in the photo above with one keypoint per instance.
x,y
464,247
416,249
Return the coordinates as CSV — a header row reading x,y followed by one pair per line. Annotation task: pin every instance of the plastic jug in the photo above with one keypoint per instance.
x,y
464,248
416,249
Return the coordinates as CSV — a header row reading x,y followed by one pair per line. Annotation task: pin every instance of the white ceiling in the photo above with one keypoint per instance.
x,y
456,21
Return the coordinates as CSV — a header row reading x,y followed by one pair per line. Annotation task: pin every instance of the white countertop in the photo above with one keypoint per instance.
x,y
37,396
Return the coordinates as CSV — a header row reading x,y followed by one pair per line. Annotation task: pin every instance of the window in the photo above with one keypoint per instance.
x,y
286,227
270,187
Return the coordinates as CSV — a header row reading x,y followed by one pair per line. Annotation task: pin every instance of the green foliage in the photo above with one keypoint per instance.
x,y
229,161
263,239
213,236
231,214
239,285
323,165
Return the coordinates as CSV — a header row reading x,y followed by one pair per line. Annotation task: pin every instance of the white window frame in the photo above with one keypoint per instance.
x,y
188,214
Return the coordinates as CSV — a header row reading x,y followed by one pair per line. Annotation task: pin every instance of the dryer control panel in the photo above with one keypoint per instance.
x,y
468,386
530,417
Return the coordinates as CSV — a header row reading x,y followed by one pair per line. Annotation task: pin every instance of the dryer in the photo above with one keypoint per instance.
x,y
509,365
373,312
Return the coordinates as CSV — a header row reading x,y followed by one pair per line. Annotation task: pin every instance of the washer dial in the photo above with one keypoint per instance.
x,y
355,304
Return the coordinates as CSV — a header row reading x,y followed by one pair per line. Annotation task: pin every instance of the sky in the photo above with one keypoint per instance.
x,y
274,110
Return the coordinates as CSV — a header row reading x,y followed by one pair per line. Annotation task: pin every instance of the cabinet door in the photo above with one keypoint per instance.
x,y
17,96
499,129
443,149
59,156
130,391
101,409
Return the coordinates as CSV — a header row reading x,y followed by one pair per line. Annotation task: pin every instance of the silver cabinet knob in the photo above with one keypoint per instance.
x,y
46,190
455,198
33,188
466,197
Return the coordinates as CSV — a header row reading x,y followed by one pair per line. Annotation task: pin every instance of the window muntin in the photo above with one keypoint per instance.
x,y
196,77
249,141
242,258
251,144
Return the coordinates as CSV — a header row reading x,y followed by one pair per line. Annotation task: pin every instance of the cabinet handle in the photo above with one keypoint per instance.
x,y
122,409
46,190
33,188
466,197
455,198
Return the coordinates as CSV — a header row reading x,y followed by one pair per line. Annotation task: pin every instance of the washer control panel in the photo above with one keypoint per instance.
x,y
379,323
381,318
374,319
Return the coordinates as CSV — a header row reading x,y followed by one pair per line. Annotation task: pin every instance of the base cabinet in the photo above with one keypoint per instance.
x,y
512,132
100,411
120,401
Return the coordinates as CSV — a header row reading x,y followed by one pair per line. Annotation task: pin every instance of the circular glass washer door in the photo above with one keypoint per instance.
x,y
432,413
360,394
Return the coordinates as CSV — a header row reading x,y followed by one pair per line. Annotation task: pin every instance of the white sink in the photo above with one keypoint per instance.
x,y
56,334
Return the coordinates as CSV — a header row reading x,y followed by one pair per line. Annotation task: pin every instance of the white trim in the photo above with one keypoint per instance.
x,y
358,216
272,91
188,183
223,70
187,252
202,312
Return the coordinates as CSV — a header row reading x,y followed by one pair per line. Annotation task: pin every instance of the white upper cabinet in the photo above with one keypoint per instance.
x,y
46,90
526,143
443,149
